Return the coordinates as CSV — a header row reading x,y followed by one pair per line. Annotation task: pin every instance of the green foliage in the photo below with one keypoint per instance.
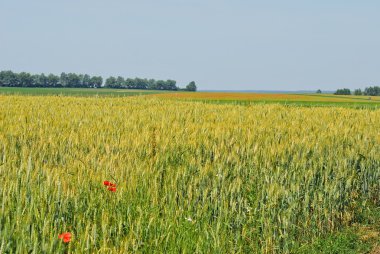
x,y
73,80
346,242
344,91
191,87
319,91
358,92
110,82
372,91
138,83
357,238
23,79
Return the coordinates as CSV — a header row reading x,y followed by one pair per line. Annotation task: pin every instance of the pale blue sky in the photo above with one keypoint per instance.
x,y
236,44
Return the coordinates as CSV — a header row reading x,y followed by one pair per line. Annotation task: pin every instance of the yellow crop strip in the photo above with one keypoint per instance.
x,y
190,177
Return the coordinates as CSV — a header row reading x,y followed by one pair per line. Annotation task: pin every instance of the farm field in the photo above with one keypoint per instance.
x,y
270,96
209,97
159,174
265,98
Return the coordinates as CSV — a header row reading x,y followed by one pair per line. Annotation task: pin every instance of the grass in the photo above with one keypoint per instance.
x,y
191,177
362,237
344,242
76,91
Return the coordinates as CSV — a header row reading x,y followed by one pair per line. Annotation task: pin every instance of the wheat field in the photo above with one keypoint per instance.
x,y
190,177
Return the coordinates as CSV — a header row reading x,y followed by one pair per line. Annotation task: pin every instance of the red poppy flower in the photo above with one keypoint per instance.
x,y
66,237
113,189
108,183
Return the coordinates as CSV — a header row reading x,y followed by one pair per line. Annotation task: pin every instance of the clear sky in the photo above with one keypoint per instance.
x,y
220,44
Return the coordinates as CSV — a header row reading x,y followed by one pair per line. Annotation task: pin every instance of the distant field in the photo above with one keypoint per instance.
x,y
210,97
291,99
76,91
270,97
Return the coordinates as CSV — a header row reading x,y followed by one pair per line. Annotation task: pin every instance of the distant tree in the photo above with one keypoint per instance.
x,y
140,83
152,84
171,85
80,81
344,91
53,80
36,80
96,82
8,78
160,85
63,81
358,92
25,79
40,80
129,83
120,82
2,78
111,82
372,91
191,87
86,81
319,91
43,80
73,80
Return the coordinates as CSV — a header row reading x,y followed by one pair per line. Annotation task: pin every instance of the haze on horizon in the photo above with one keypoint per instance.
x,y
220,44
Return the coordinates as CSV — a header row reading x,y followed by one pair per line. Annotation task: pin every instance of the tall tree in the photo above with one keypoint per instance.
x,y
372,91
86,81
111,82
344,91
52,80
358,92
25,79
63,80
171,85
96,82
191,87
152,84
43,80
73,80
120,82
8,78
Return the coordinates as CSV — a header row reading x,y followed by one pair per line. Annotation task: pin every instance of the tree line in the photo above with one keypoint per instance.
x,y
370,91
73,80
24,79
